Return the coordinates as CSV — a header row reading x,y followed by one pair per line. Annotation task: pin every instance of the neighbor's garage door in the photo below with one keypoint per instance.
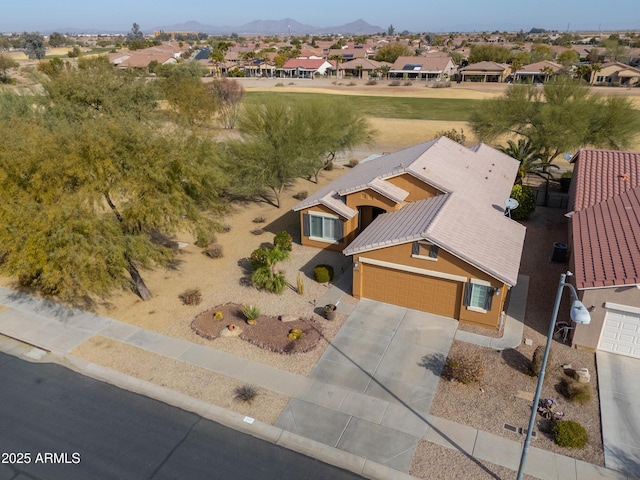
x,y
412,290
621,334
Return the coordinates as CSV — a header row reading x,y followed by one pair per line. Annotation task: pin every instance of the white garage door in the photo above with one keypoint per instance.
x,y
621,334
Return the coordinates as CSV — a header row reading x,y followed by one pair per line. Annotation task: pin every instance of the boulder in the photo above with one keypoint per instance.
x,y
288,318
231,331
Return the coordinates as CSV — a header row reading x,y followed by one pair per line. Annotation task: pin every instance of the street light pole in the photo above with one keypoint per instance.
x,y
579,314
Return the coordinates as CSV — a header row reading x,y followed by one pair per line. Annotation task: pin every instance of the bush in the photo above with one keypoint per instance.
x,y
214,251
283,241
204,240
453,134
218,316
257,231
295,334
301,195
245,393
354,162
259,257
526,199
536,361
445,84
279,84
372,82
395,83
569,434
463,369
259,220
407,84
192,296
577,392
328,167
323,273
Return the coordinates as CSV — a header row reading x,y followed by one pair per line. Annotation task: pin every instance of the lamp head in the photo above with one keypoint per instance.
x,y
579,313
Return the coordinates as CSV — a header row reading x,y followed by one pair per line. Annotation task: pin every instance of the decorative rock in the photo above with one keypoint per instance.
x,y
231,331
528,341
567,366
288,318
583,375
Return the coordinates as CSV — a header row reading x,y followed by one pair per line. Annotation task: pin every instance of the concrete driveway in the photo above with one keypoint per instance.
x,y
619,389
374,384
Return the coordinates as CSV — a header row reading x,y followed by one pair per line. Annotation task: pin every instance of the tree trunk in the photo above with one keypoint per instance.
x,y
138,283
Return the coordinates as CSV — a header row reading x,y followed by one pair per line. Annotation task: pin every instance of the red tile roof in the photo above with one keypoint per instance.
x,y
307,63
602,174
607,242
605,200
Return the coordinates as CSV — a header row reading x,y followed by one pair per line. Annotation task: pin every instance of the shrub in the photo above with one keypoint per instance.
x,y
577,392
214,251
323,273
218,316
395,83
265,277
259,257
283,241
536,361
192,296
279,84
453,134
372,82
463,369
226,228
245,393
445,84
526,200
351,84
295,334
204,240
251,313
569,434
407,84
354,162
259,220
329,166
301,195
257,231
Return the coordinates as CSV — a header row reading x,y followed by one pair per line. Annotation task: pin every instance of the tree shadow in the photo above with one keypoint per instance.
x,y
516,360
434,363
247,270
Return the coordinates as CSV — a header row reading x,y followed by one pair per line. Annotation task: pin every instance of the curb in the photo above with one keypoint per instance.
x,y
277,436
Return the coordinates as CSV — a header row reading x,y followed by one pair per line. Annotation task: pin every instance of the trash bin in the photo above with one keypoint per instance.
x,y
559,253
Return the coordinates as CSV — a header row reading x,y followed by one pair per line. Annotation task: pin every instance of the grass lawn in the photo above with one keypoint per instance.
x,y
445,109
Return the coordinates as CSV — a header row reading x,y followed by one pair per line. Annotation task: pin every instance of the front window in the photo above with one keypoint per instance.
x,y
323,227
478,296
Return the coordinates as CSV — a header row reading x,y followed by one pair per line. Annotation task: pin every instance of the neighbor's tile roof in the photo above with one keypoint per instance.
x,y
604,201
467,220
310,63
602,174
607,236
485,67
427,64
538,66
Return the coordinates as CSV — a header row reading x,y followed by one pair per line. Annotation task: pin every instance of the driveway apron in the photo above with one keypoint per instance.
x,y
375,383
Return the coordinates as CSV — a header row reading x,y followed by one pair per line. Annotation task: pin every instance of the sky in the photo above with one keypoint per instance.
x,y
412,15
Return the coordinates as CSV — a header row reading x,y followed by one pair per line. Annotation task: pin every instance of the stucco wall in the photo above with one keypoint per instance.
x,y
418,190
350,230
446,263
371,198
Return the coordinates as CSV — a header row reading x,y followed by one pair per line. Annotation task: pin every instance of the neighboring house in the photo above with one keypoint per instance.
x,y
260,68
434,68
351,53
362,68
484,72
538,72
303,68
604,237
426,229
615,74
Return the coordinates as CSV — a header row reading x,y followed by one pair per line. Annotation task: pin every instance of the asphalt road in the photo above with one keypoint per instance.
x,y
57,424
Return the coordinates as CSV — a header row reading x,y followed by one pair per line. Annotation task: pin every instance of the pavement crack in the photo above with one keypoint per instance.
x,y
177,445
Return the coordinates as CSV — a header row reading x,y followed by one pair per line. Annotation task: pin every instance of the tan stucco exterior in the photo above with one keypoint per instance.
x,y
588,336
371,198
350,229
418,190
447,264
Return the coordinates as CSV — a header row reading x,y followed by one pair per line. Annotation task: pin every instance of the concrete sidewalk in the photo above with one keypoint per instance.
x,y
384,430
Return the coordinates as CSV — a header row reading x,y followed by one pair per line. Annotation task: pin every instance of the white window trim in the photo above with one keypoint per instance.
x,y
483,283
424,257
325,215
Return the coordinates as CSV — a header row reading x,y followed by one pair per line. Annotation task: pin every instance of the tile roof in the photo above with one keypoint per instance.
x,y
606,242
485,67
311,63
475,183
602,174
604,194
427,64
538,66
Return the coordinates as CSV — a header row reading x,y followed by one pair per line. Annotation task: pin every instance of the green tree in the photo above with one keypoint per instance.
x,y
82,196
614,50
34,45
135,38
391,51
56,39
568,58
540,52
488,53
560,117
51,67
6,64
529,158
391,31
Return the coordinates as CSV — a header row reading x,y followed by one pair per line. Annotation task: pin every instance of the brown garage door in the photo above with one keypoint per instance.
x,y
412,290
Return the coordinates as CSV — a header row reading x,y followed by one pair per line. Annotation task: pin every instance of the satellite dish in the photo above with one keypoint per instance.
x,y
511,204
567,156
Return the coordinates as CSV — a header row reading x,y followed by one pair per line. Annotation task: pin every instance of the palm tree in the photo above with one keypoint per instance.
x,y
529,157
267,275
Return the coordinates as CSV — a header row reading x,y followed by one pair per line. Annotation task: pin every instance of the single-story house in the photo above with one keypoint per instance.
x,y
433,68
538,72
484,72
615,74
604,237
426,229
361,68
303,68
259,67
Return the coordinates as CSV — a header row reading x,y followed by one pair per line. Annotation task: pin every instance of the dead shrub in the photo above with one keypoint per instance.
x,y
193,296
214,251
354,162
577,392
301,195
463,369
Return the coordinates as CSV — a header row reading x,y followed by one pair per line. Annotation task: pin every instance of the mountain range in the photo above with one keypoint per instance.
x,y
274,27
